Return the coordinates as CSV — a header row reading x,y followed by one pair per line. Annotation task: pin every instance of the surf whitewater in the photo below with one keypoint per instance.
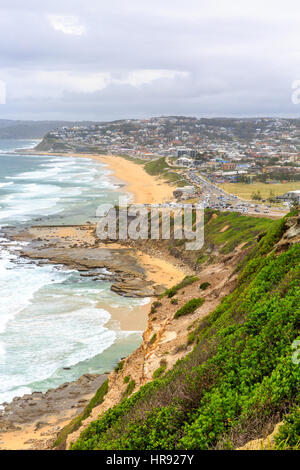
x,y
51,328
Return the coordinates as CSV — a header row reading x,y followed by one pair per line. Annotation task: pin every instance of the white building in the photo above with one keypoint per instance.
x,y
291,196
185,161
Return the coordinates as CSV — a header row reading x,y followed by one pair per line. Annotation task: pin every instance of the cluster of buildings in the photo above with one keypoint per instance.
x,y
224,149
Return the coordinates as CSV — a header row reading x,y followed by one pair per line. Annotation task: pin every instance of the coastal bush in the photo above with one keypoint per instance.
x,y
126,379
202,258
191,338
204,285
129,389
188,280
158,372
174,301
119,366
155,306
240,371
189,307
161,168
288,437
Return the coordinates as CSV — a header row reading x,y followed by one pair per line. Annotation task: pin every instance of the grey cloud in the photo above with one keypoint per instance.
x,y
237,63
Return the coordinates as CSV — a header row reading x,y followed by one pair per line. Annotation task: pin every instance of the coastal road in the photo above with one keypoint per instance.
x,y
216,198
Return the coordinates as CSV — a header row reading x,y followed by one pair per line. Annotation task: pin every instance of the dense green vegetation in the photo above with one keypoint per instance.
x,y
136,160
240,372
288,437
189,307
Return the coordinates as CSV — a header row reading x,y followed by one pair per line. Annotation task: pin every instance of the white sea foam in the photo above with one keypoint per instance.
x,y
3,185
18,285
49,318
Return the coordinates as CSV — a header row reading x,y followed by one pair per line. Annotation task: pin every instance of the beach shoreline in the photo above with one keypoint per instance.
x,y
145,188
158,270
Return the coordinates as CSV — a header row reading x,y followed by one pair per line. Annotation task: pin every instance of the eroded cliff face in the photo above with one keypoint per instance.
x,y
165,339
291,235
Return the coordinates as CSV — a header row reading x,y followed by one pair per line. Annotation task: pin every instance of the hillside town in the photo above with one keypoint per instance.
x,y
223,150
227,147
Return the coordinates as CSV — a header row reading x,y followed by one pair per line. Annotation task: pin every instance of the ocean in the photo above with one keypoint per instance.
x,y
52,329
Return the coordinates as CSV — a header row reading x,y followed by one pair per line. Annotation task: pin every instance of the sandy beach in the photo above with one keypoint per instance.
x,y
145,188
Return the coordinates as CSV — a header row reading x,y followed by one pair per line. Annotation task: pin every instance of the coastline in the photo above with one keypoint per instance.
x,y
146,189
36,434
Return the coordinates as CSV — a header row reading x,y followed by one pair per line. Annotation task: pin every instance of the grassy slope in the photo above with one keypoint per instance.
x,y
161,168
223,232
239,229
246,190
237,382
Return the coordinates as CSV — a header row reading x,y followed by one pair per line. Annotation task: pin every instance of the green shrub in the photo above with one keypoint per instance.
x,y
155,306
119,366
174,301
204,285
288,437
126,379
188,280
153,339
202,258
191,338
189,307
158,372
129,389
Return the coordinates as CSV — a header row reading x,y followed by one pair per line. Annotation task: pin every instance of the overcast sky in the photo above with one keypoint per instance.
x,y
104,60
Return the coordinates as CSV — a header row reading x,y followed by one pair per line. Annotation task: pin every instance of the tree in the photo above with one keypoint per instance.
x,y
256,196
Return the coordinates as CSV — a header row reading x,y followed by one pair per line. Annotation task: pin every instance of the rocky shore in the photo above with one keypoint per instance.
x,y
43,415
34,420
77,247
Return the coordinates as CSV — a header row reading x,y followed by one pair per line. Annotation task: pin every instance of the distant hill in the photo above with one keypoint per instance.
x,y
32,129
